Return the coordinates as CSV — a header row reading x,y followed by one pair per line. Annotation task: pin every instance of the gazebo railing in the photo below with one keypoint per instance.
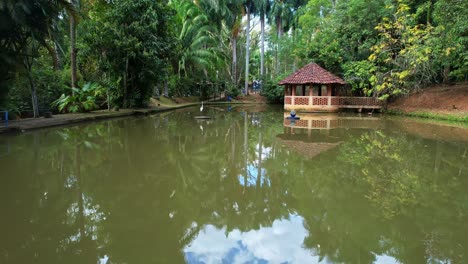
x,y
337,101
370,101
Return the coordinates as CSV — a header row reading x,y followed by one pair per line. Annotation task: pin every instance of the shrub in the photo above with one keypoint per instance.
x,y
83,100
273,91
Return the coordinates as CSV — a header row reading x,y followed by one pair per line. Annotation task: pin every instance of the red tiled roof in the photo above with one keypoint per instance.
x,y
312,73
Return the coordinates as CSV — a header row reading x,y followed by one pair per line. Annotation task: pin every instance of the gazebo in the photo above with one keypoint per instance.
x,y
314,89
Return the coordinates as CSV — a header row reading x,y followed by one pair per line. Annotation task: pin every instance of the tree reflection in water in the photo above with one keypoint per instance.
x,y
151,190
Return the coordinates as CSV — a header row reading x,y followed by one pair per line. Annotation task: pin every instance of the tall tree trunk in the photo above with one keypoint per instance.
x,y
446,73
33,95
234,59
125,83
247,52
279,29
277,65
53,54
28,65
107,92
58,55
429,12
262,51
73,50
279,25
156,92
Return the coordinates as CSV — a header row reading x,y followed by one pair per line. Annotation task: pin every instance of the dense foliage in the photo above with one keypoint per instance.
x,y
128,44
137,49
386,48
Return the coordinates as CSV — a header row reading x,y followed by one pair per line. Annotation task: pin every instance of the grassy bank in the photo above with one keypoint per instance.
x,y
438,102
430,115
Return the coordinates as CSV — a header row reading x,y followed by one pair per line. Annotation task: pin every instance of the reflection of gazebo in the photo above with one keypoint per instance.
x,y
332,121
314,134
307,149
308,142
313,88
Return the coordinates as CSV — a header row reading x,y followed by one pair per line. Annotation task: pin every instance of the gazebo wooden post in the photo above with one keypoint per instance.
x,y
293,93
329,93
329,89
311,93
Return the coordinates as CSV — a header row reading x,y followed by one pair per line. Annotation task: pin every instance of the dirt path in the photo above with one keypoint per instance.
x,y
439,99
253,98
69,119
156,106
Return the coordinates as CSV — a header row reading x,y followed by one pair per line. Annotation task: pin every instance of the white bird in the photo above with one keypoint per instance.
x,y
201,107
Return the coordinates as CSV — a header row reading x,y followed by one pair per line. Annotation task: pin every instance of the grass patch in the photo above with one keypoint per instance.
x,y
166,101
191,99
430,115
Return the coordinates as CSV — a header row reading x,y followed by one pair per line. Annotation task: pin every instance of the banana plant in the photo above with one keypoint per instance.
x,y
82,100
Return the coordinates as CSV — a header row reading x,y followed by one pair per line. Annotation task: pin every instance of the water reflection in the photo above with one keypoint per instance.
x,y
243,188
279,243
332,121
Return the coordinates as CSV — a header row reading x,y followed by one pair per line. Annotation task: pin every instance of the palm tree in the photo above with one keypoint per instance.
x,y
263,8
227,15
283,13
248,9
276,17
234,23
197,51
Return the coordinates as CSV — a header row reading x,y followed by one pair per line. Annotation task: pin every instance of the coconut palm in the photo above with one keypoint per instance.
x,y
283,15
249,8
263,8
227,15
196,47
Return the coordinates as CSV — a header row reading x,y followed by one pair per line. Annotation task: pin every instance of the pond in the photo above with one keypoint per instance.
x,y
246,186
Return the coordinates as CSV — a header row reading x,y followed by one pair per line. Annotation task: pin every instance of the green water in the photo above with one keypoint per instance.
x,y
240,188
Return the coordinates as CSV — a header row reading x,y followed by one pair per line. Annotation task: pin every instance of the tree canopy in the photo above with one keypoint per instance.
x,y
132,50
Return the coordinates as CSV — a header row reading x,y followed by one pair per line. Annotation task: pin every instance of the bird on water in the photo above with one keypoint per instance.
x,y
201,107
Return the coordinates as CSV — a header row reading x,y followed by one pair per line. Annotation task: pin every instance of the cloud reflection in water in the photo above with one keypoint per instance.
x,y
280,243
